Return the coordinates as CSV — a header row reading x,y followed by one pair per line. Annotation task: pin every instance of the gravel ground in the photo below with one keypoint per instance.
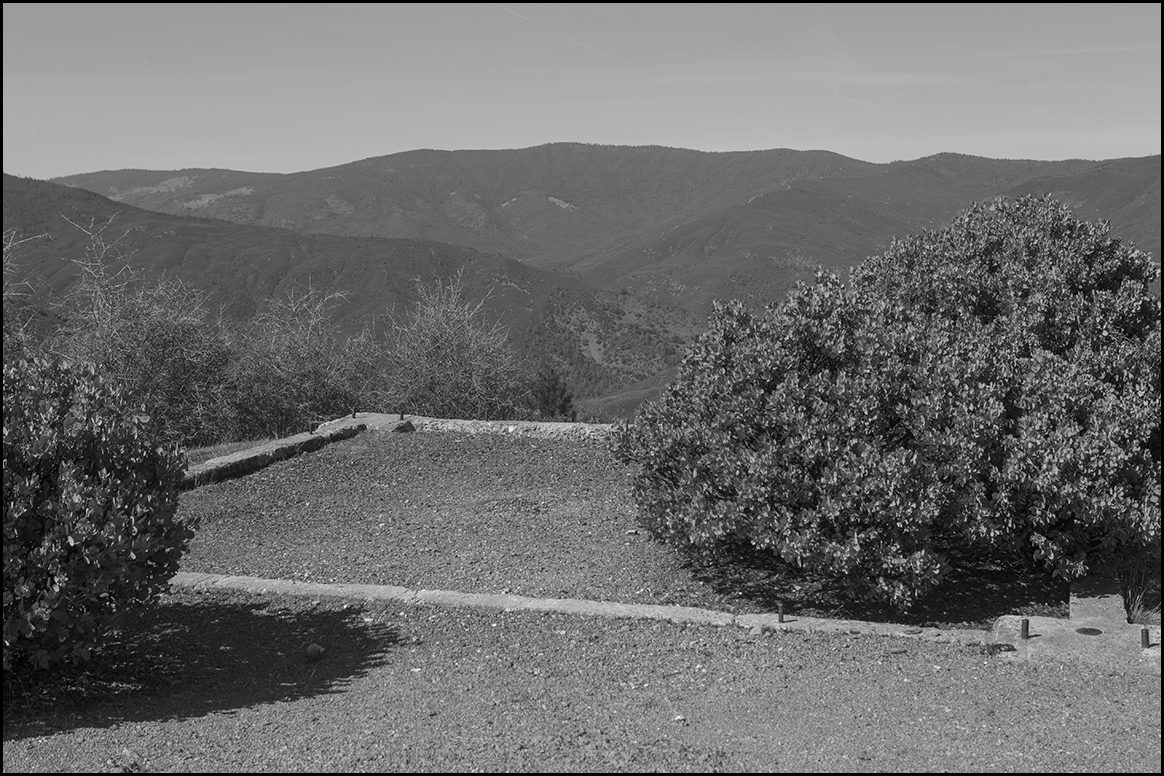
x,y
218,680
496,513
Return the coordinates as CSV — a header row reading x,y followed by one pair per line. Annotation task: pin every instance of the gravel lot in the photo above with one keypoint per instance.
x,y
219,680
547,516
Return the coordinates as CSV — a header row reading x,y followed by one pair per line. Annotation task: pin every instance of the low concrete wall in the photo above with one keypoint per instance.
x,y
244,462
524,428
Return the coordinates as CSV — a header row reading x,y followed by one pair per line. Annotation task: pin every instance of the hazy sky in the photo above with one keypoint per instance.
x,y
283,88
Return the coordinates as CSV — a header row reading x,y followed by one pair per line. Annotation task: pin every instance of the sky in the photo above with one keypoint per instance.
x,y
288,87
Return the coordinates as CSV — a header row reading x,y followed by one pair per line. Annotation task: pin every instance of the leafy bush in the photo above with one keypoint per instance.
x,y
89,511
994,385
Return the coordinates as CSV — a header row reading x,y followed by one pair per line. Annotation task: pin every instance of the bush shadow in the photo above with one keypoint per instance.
x,y
975,593
199,653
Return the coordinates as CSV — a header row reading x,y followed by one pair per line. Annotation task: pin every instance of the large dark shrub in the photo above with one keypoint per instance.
x,y
90,500
550,398
994,384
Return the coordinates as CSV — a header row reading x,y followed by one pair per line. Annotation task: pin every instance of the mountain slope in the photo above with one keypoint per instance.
x,y
545,205
600,341
673,225
1125,192
759,249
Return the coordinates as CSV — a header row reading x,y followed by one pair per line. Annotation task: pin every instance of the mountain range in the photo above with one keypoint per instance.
x,y
677,226
604,260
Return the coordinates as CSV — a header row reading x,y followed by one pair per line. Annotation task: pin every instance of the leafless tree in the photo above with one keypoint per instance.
x,y
450,361
16,335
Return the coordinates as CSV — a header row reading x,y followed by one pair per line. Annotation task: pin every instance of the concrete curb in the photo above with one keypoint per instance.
x,y
758,624
1052,639
245,462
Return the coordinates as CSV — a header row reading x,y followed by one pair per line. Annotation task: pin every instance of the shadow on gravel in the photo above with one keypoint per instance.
x,y
975,593
197,654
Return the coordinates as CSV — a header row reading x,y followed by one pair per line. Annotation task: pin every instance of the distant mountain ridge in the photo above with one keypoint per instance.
x,y
672,225
604,260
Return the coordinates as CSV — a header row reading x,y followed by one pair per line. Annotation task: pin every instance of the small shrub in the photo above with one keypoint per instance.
x,y
90,525
992,386
161,345
202,381
1139,577
449,361
156,340
293,369
17,314
550,397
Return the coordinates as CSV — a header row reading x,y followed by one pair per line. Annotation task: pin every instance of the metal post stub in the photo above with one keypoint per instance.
x,y
1026,629
780,612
